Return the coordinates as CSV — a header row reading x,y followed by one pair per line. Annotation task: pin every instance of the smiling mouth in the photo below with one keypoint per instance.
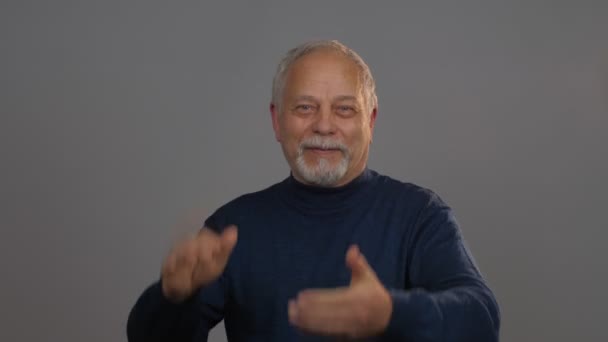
x,y
323,150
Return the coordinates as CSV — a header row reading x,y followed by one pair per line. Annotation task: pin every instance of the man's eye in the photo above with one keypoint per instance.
x,y
304,108
346,110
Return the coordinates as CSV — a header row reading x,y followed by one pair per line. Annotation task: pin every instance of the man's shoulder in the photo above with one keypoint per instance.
x,y
245,205
409,190
409,197
257,197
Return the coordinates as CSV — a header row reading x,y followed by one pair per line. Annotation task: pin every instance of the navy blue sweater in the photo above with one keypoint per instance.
x,y
293,237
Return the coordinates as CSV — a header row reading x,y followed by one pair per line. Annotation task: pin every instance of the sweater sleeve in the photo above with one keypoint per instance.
x,y
156,319
446,297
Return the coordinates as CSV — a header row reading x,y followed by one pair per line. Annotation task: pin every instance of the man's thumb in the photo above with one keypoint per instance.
x,y
228,239
357,263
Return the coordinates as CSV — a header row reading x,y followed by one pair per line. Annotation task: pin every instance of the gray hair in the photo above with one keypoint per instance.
x,y
278,82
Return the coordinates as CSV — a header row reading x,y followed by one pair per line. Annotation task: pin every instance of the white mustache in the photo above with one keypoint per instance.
x,y
318,142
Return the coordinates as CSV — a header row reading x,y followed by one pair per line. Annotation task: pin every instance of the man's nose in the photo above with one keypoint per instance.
x,y
324,122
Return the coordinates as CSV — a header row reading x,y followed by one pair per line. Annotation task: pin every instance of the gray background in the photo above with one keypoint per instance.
x,y
123,123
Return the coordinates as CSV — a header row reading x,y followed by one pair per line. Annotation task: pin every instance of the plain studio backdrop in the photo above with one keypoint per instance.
x,y
124,123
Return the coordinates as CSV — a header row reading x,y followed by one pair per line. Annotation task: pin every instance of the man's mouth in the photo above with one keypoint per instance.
x,y
323,150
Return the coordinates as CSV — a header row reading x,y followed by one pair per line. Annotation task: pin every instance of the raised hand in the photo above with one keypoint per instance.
x,y
196,262
360,310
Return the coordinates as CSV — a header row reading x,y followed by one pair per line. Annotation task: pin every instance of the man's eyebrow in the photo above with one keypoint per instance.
x,y
345,98
305,98
337,98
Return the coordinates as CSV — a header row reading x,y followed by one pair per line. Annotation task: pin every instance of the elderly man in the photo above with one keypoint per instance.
x,y
334,251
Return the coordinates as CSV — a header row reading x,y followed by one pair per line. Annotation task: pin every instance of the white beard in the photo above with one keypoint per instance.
x,y
323,173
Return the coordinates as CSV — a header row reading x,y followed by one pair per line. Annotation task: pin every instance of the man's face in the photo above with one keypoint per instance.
x,y
324,125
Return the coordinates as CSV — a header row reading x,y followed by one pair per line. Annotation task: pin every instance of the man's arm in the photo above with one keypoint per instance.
x,y
190,298
154,318
446,297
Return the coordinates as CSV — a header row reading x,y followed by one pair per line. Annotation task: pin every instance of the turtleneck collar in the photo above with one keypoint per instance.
x,y
316,200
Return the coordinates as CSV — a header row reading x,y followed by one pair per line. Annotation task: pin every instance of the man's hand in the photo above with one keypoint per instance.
x,y
196,262
360,310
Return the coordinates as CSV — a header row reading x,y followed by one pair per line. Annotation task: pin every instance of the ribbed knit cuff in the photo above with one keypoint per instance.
x,y
414,317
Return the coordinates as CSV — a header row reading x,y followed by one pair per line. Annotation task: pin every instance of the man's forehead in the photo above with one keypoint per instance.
x,y
314,90
325,59
320,74
301,97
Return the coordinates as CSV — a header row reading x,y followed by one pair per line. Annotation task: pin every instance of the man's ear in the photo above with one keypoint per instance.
x,y
274,113
372,123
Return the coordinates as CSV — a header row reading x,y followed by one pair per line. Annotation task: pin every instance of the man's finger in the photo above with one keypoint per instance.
x,y
170,264
207,234
336,296
313,304
320,317
357,263
229,238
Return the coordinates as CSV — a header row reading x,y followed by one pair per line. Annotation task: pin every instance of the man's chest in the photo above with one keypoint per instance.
x,y
277,261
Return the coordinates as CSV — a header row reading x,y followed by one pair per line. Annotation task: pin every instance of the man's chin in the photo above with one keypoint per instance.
x,y
320,153
323,177
321,167
329,160
323,180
